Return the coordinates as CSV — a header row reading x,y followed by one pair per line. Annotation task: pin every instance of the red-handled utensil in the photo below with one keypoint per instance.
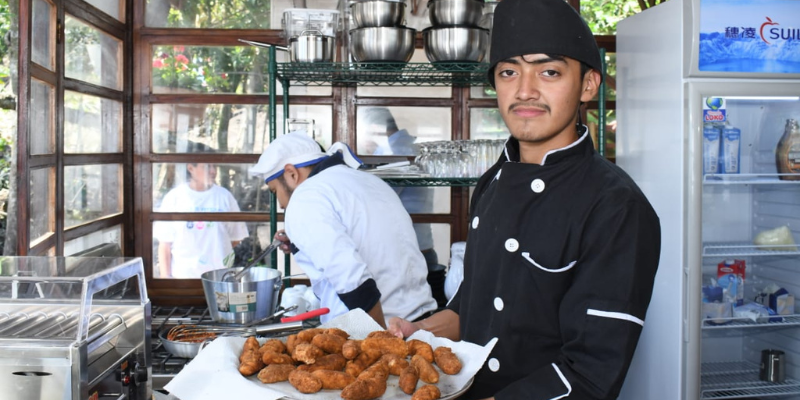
x,y
307,315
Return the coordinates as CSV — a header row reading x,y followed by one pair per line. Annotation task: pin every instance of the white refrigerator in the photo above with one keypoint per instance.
x,y
685,66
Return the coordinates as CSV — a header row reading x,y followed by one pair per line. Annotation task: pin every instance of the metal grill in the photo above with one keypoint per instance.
x,y
739,379
384,74
55,325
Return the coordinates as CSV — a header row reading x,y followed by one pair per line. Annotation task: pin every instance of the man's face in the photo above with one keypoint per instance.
x,y
538,97
281,190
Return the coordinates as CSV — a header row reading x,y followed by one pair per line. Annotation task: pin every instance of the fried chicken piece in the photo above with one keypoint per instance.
x,y
427,392
331,362
304,382
360,363
378,370
307,334
273,345
380,334
250,344
416,346
333,379
328,342
447,360
249,360
307,353
271,357
351,349
291,342
337,332
408,379
393,345
362,389
275,373
427,373
394,363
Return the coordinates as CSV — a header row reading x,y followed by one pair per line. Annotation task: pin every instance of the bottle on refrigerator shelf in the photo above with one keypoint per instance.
x,y
787,155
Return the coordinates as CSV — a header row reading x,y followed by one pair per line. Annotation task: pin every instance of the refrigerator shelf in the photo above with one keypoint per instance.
x,y
739,379
744,249
749,179
744,323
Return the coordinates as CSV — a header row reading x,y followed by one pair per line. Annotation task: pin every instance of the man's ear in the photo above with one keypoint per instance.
x,y
590,86
291,175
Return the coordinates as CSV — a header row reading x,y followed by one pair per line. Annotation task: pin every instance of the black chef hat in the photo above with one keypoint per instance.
x,y
540,27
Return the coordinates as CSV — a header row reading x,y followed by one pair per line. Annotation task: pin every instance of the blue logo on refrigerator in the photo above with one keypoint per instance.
x,y
750,36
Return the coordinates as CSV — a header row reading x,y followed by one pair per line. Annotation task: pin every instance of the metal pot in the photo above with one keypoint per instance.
x,y
455,12
253,298
377,13
182,349
312,46
384,43
455,44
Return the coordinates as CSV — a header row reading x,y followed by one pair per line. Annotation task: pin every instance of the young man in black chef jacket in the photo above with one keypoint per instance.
x,y
563,247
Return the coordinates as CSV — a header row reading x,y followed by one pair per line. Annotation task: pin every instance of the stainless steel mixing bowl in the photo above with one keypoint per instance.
x,y
455,44
312,46
384,43
455,12
368,13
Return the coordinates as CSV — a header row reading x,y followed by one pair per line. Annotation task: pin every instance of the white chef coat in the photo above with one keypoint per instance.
x,y
349,226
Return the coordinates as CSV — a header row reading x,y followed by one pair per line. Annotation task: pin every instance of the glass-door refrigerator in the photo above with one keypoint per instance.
x,y
708,92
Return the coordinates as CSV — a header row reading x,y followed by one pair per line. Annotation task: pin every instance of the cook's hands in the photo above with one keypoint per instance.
x,y
285,246
401,328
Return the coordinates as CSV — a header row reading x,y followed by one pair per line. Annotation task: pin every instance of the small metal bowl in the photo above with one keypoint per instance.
x,y
455,43
383,43
368,13
182,349
455,12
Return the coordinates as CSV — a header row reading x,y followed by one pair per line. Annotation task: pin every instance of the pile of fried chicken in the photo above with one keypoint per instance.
x,y
317,358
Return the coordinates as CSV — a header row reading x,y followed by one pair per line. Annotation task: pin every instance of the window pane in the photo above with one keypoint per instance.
x,y
43,35
91,124
186,249
207,69
112,235
315,119
374,128
42,139
611,76
91,55
224,128
602,16
233,14
114,8
206,187
91,192
610,133
42,203
406,91
486,123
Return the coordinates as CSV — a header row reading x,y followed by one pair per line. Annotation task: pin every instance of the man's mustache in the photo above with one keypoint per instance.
x,y
529,105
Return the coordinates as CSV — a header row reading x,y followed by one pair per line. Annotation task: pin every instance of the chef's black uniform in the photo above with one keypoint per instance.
x,y
559,266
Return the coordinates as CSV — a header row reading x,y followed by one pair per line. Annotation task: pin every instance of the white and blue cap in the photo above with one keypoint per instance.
x,y
300,150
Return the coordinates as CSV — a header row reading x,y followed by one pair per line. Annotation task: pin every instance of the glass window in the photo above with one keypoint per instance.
x,y
91,55
105,237
186,249
225,128
91,124
611,76
406,91
487,123
210,69
233,14
610,133
603,16
42,204
91,192
206,187
42,139
113,8
376,125
43,34
318,120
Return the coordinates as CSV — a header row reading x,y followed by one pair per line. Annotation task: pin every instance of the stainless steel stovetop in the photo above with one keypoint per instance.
x,y
166,365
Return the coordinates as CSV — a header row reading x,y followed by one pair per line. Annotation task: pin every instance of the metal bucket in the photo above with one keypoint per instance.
x,y
255,297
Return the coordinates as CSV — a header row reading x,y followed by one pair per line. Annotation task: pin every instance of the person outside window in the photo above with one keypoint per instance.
x,y
563,247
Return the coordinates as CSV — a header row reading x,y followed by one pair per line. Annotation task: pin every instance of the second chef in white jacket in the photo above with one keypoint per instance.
x,y
348,231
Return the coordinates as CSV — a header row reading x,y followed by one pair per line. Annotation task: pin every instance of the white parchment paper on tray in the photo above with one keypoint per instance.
x,y
214,373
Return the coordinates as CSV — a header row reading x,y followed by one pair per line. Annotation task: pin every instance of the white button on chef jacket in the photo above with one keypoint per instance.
x,y
494,364
537,185
475,222
498,304
512,245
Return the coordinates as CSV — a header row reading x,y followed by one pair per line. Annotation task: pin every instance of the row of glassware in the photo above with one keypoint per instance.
x,y
458,158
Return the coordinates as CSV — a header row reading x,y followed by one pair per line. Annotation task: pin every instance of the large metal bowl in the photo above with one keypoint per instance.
x,y
455,12
384,43
368,13
455,44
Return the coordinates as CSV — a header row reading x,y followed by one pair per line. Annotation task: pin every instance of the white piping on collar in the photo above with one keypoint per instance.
x,y
505,148
573,144
564,381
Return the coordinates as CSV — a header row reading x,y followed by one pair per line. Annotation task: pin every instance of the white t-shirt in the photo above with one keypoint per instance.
x,y
198,246
350,226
